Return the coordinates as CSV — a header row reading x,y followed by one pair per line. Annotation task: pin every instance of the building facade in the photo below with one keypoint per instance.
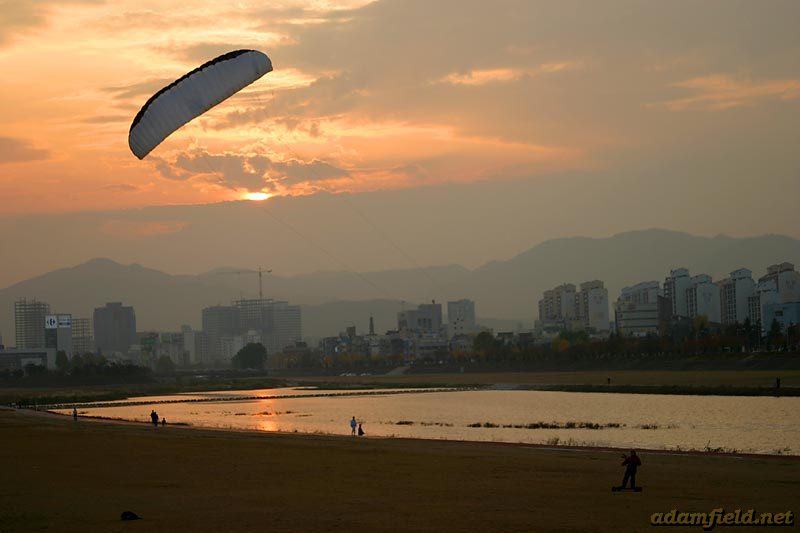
x,y
460,317
637,312
787,314
591,306
276,323
114,328
29,323
675,287
702,299
82,337
425,319
734,294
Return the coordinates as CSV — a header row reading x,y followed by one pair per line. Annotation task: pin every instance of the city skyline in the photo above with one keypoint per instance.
x,y
371,141
642,309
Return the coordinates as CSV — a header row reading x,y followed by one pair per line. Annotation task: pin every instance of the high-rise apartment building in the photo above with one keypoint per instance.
x,y
786,279
734,294
675,286
781,284
557,305
702,299
591,306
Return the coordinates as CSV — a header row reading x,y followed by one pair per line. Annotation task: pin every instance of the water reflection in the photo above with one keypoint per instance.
x,y
744,424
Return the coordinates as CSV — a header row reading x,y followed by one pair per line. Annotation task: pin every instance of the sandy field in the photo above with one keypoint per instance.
x,y
65,475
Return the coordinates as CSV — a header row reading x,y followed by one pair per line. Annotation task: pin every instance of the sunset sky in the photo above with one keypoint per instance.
x,y
545,119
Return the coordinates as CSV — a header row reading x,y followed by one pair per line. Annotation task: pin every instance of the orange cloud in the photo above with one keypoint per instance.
x,y
722,91
505,75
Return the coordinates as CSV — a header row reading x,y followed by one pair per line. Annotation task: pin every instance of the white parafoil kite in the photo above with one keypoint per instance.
x,y
192,95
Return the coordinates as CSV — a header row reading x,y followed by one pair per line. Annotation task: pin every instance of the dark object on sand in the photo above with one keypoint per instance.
x,y
129,515
620,489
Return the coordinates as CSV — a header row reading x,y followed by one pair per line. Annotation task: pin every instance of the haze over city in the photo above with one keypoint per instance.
x,y
394,134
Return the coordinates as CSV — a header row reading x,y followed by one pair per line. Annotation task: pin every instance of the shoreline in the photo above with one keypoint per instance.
x,y
535,446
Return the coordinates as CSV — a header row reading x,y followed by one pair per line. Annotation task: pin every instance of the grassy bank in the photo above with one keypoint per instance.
x,y
30,395
79,476
717,382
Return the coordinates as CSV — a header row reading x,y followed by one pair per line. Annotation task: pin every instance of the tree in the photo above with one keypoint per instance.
x,y
62,362
774,332
164,365
34,370
483,343
254,355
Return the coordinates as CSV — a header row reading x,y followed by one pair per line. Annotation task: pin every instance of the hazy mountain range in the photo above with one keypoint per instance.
x,y
506,290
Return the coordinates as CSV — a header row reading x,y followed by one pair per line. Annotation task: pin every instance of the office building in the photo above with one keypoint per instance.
x,y
58,333
219,321
426,319
114,328
82,338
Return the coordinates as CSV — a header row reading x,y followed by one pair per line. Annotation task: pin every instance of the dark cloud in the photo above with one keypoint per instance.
x,y
248,171
13,150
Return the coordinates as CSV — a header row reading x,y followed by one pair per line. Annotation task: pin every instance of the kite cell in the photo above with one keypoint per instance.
x,y
192,95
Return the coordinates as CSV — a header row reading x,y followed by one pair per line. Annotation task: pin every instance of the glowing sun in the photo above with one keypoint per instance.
x,y
257,196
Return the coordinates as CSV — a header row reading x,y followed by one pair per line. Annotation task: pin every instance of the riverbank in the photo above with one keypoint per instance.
x,y
80,475
682,382
702,382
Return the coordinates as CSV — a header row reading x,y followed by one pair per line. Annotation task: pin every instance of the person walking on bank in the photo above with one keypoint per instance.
x,y
631,463
353,426
154,417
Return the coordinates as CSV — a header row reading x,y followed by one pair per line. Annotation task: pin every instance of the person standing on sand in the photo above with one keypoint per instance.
x,y
74,413
631,463
353,426
154,417
360,431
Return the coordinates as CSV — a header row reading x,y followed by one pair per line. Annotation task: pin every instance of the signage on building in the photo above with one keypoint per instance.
x,y
65,321
50,322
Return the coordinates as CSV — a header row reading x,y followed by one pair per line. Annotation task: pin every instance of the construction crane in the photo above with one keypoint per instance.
x,y
260,273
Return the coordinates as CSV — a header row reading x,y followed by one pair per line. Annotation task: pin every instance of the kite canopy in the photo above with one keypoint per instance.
x,y
192,95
